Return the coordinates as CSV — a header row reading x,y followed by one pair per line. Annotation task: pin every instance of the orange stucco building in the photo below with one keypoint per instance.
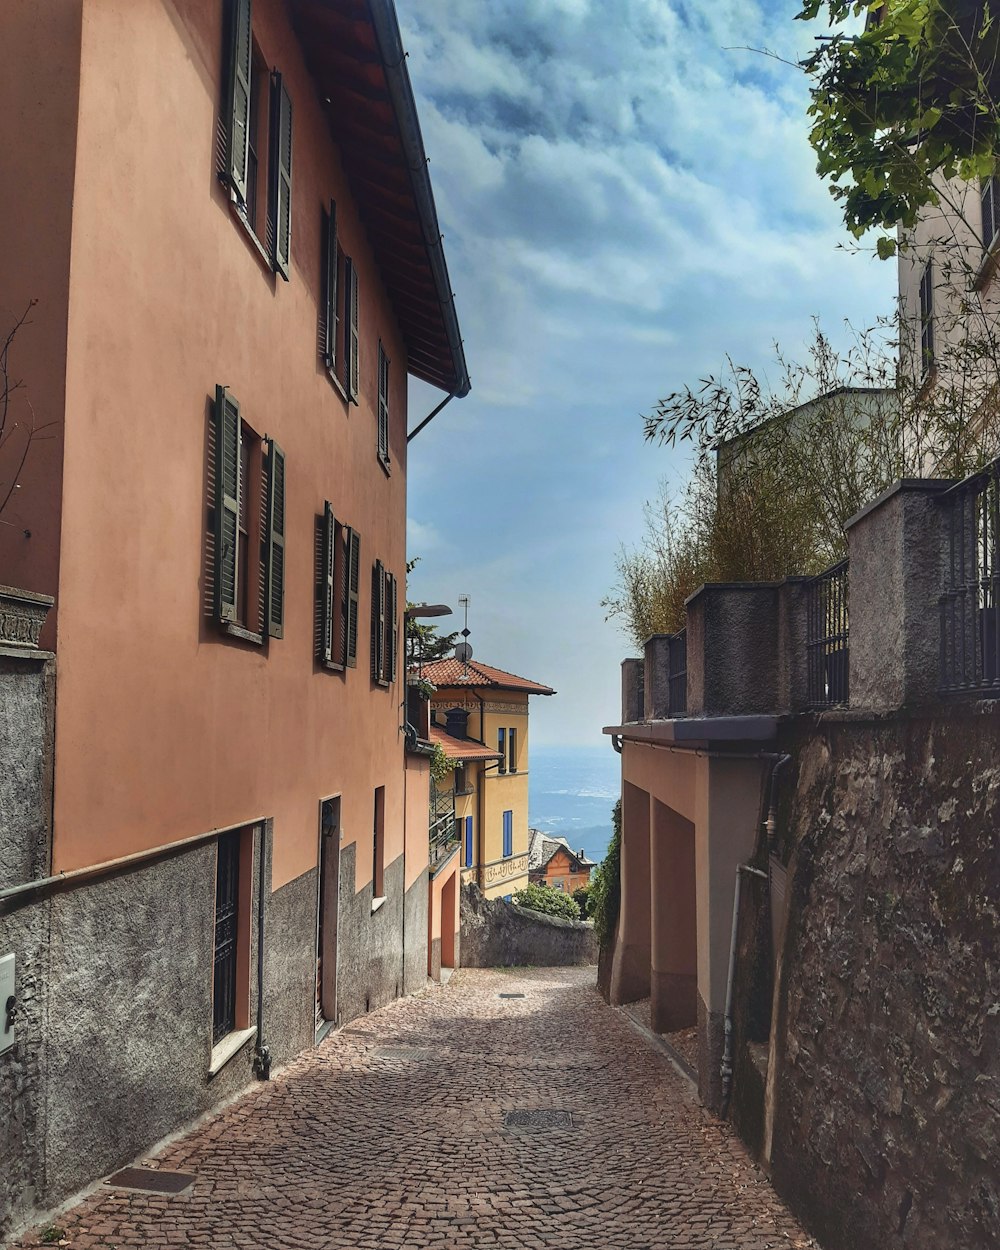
x,y
554,863
222,213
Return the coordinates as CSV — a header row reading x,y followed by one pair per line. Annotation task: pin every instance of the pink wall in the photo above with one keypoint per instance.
x,y
164,728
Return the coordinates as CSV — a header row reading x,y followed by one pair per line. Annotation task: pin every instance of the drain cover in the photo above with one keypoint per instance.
x,y
510,995
402,1052
152,1180
538,1119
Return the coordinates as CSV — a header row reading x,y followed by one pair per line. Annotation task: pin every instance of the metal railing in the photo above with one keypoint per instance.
x,y
677,674
442,830
827,638
970,601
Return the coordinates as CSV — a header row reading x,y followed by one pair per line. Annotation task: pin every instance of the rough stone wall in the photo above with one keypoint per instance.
x,y
887,1108
495,934
369,944
416,907
26,705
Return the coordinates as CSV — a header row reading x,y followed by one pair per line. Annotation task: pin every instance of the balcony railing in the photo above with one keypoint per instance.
x,y
677,674
970,601
827,638
442,828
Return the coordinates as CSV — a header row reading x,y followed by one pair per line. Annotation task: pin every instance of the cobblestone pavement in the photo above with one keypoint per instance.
x,y
391,1136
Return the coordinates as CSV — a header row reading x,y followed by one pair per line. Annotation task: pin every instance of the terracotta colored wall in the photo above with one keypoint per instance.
x,y
39,113
164,728
418,780
560,868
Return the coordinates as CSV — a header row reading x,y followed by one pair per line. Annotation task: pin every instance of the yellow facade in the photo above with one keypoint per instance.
x,y
499,842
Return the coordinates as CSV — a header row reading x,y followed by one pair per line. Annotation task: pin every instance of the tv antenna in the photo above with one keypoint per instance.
x,y
463,652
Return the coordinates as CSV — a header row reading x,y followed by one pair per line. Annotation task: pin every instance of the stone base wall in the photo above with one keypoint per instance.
x,y
884,1101
496,934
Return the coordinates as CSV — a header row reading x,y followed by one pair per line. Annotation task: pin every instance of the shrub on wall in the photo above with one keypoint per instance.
x,y
552,902
605,885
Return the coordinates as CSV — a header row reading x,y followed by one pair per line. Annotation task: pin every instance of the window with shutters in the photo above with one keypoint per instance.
x,y
383,407
257,122
351,351
512,750
468,848
502,750
337,592
384,625
246,525
508,834
332,345
231,963
378,849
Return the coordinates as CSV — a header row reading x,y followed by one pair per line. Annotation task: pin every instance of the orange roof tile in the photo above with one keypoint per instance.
x,y
452,672
461,748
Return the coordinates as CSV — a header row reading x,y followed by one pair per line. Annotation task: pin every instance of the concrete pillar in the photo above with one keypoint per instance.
x,y
793,668
630,972
633,695
656,676
727,811
673,930
896,547
732,649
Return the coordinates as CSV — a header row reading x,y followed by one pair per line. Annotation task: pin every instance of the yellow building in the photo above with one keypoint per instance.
x,y
479,715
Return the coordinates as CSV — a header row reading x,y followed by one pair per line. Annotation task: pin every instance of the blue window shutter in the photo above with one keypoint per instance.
x,y
508,834
468,841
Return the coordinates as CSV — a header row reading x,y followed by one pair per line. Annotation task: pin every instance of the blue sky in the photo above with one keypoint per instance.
x,y
626,197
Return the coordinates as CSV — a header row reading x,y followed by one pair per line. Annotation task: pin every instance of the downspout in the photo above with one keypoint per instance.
x,y
262,1055
726,1067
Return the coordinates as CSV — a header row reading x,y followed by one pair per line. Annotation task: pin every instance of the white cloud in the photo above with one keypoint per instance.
x,y
627,196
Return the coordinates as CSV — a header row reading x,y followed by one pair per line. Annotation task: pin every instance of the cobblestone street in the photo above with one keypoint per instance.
x,y
392,1134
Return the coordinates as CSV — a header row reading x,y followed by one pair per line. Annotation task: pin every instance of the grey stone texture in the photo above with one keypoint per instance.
x,y
633,691
886,1114
732,649
793,668
496,934
26,733
416,908
290,967
369,946
896,548
656,677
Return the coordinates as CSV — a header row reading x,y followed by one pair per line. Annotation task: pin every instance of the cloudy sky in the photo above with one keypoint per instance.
x,y
626,197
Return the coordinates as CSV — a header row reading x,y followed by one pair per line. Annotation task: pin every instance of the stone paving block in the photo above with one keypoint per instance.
x,y
349,1149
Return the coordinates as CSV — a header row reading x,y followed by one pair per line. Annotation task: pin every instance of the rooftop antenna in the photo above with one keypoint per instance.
x,y
463,652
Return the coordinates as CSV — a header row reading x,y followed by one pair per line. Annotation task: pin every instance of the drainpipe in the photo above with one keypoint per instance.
x,y
262,1055
726,1068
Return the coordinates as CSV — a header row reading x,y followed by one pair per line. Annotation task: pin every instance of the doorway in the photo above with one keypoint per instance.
x,y
329,900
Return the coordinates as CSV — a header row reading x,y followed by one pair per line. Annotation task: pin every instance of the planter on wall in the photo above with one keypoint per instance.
x,y
22,615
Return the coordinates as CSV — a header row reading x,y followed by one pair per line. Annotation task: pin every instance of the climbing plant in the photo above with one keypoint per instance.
x,y
605,885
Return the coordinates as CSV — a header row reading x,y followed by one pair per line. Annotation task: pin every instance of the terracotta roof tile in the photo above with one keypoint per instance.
x,y
461,748
452,672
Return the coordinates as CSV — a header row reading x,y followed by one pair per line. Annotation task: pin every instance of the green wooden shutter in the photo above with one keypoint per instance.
x,y
394,631
331,288
281,174
378,621
276,542
351,327
238,110
227,503
353,562
327,598
383,405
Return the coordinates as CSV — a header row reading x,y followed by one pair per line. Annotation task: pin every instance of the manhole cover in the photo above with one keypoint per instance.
x,y
152,1180
538,1119
511,996
402,1052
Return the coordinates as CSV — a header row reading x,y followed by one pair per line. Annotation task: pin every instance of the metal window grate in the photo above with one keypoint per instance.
x,y
677,674
227,884
827,650
970,602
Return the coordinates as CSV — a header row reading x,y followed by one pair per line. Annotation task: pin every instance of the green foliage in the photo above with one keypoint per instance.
x,y
53,1235
552,902
903,105
441,765
581,896
605,885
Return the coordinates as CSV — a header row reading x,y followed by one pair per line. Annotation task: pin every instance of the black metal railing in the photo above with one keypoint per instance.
x,y
827,638
443,831
677,674
970,601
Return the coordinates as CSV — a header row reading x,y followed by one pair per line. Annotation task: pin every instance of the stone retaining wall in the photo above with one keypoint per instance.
x,y
496,934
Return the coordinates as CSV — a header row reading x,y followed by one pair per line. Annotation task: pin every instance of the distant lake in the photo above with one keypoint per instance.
x,y
571,791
